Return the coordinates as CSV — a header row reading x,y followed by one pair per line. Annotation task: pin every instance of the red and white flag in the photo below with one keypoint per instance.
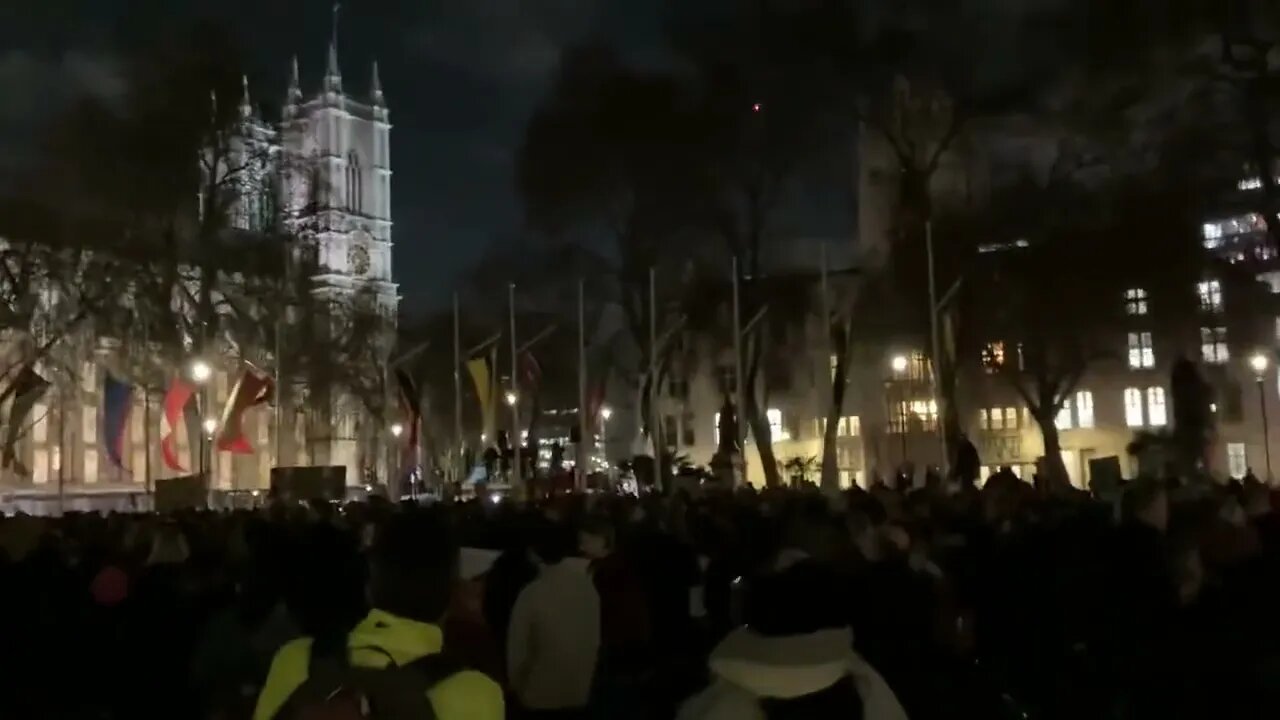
x,y
250,390
174,401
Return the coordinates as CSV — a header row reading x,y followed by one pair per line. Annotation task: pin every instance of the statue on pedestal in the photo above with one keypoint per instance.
x,y
727,465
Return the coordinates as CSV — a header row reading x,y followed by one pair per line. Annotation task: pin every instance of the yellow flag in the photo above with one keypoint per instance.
x,y
481,376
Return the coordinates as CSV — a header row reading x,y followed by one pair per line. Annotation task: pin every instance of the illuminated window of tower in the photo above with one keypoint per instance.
x,y
355,194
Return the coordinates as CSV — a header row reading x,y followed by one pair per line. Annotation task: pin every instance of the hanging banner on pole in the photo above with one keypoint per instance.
x,y
117,403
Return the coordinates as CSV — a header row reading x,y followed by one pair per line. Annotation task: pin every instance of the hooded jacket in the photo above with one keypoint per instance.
x,y
747,667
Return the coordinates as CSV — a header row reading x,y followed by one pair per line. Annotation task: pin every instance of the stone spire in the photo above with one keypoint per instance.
x,y
246,105
295,82
375,88
333,74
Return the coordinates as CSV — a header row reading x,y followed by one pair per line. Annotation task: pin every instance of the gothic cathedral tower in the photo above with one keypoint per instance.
x,y
344,144
339,187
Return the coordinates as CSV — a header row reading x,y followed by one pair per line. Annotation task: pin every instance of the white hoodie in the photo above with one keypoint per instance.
x,y
747,666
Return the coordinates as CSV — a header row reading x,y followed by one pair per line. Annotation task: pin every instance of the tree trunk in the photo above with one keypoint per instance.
x,y
1054,469
830,473
951,426
758,421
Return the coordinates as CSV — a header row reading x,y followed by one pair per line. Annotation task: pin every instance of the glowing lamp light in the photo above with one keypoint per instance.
x,y
756,107
397,429
1259,363
210,425
511,397
606,412
200,371
899,363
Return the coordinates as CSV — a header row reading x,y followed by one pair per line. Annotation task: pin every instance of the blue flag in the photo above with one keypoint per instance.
x,y
117,402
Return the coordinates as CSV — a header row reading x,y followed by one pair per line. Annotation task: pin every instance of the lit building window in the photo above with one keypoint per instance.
x,y
1084,409
918,368
1135,301
1010,418
1133,407
1157,414
1210,295
1237,460
1141,354
1213,345
776,431
993,356
1212,231
984,421
1063,420
997,419
849,426
926,411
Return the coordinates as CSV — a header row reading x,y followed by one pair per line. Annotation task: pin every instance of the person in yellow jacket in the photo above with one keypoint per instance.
x,y
413,571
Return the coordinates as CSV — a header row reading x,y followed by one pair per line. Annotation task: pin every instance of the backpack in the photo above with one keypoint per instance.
x,y
337,690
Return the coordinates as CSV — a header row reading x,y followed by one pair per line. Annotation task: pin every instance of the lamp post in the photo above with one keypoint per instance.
x,y
200,374
514,437
606,412
394,463
1259,363
899,365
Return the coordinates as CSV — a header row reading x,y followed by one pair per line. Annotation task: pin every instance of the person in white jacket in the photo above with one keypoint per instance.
x,y
793,659
554,638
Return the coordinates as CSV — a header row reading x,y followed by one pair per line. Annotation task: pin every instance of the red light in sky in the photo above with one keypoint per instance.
x,y
756,107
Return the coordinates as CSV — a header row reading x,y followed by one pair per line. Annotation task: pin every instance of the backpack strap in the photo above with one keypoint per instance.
x,y
329,654
436,668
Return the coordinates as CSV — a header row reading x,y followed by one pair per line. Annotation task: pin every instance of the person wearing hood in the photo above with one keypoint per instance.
x,y
413,574
793,658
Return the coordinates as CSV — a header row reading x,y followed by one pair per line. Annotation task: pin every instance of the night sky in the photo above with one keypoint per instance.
x,y
461,77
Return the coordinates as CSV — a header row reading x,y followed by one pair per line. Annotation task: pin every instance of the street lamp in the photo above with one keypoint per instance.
x,y
200,371
606,412
511,398
397,429
899,364
1259,363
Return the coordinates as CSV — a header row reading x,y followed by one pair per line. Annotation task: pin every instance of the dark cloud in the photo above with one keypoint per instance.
x,y
511,41
35,89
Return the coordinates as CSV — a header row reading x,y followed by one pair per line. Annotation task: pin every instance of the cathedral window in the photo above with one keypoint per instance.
x,y
355,194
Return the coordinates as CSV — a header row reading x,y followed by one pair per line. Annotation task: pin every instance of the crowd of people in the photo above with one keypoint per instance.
x,y
941,601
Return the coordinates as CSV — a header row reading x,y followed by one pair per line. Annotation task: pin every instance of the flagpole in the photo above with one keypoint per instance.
x,y
933,335
827,474
515,439
456,467
62,455
581,461
146,416
738,381
653,374
281,319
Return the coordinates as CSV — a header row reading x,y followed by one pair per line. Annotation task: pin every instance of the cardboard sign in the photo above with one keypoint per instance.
x,y
309,483
189,492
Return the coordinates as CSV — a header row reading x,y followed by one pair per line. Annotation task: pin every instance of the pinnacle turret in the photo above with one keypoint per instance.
x,y
375,88
333,74
246,105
